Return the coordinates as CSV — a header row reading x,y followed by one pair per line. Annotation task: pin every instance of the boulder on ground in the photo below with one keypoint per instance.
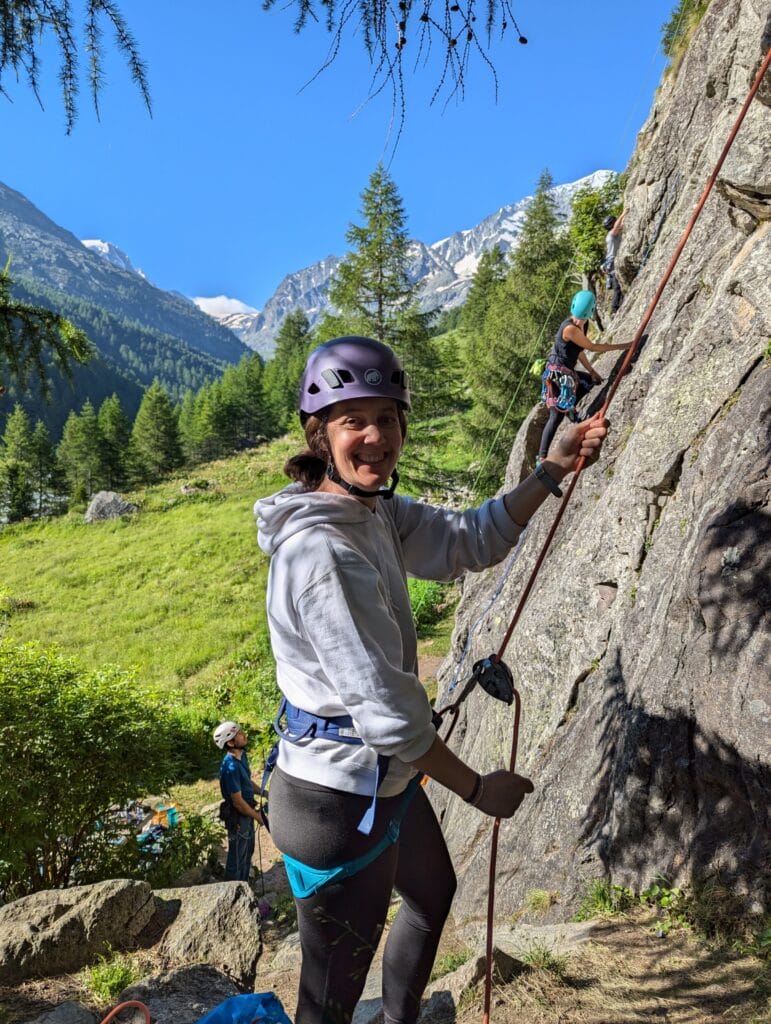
x,y
217,924
59,931
444,995
108,505
67,1013
183,995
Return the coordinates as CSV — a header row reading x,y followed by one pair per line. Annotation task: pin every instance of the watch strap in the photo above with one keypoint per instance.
x,y
548,480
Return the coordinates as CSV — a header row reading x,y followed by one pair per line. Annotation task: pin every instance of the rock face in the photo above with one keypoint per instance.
x,y
215,924
642,656
61,930
107,505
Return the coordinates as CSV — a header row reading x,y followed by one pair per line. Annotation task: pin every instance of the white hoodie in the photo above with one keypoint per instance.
x,y
340,621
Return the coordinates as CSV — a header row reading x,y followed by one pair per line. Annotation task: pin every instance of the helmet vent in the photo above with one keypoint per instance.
x,y
345,376
313,389
332,378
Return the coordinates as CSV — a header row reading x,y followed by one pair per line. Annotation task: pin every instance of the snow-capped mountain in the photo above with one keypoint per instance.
x,y
113,255
444,269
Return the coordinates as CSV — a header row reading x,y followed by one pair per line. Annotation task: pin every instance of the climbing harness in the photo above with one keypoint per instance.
x,y
303,725
498,656
304,880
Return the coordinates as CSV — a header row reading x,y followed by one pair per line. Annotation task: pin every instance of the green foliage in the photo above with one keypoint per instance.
x,y
73,743
155,447
79,453
677,31
16,467
282,374
194,841
521,316
538,901
114,432
604,899
428,600
371,285
450,962
24,26
590,206
29,335
541,957
110,975
709,906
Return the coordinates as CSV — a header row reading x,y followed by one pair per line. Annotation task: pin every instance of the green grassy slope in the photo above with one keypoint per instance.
x,y
176,591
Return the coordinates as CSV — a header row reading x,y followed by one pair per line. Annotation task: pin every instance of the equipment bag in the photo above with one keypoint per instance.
x,y
249,1009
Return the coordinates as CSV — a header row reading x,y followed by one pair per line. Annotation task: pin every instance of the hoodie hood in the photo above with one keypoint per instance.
x,y
294,509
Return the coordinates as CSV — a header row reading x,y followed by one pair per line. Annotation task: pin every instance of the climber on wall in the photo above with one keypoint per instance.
x,y
561,387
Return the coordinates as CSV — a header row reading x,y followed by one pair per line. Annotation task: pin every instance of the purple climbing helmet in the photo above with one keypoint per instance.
x,y
351,367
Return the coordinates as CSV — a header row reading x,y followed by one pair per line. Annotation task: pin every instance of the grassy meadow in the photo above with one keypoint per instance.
x,y
175,593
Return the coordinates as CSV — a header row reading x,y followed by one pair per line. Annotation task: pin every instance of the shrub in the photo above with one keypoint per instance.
x,y
602,898
107,978
677,31
73,744
427,600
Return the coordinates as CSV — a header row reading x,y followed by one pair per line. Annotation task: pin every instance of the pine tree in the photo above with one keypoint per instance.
x,y
115,431
375,297
522,316
23,26
371,285
43,462
30,336
79,453
155,447
16,471
282,374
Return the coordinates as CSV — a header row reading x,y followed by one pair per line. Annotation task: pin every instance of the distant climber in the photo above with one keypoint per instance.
x,y
614,226
237,808
561,387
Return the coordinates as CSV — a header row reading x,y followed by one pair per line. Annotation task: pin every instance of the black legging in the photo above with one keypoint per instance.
x,y
341,925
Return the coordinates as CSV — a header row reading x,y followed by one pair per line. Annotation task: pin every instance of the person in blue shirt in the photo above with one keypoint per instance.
x,y
237,791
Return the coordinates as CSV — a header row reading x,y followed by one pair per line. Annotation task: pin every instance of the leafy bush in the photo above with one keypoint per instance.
x,y
427,600
73,744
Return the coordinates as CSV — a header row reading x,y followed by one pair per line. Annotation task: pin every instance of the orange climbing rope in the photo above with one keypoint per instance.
x,y
568,494
135,1004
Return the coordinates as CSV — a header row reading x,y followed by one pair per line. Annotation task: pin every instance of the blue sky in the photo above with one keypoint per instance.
x,y
242,176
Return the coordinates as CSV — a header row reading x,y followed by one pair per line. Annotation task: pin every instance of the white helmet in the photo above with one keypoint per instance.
x,y
225,732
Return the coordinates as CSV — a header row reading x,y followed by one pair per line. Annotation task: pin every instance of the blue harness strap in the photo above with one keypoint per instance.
x,y
304,880
302,725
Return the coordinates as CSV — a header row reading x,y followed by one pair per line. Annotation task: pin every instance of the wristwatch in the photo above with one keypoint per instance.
x,y
548,480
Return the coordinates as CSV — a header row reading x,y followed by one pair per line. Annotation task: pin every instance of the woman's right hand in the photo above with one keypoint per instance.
x,y
502,793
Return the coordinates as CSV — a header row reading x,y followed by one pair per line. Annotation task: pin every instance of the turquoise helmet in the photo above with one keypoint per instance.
x,y
583,305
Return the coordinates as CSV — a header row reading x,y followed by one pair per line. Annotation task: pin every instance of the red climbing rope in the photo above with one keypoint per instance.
x,y
568,494
122,1006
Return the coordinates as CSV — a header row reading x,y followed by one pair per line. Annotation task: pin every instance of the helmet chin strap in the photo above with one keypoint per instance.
x,y
383,492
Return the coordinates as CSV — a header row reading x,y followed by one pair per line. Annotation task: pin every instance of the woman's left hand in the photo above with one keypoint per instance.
x,y
580,439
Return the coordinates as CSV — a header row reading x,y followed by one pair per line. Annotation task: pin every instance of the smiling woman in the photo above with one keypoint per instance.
x,y
360,730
